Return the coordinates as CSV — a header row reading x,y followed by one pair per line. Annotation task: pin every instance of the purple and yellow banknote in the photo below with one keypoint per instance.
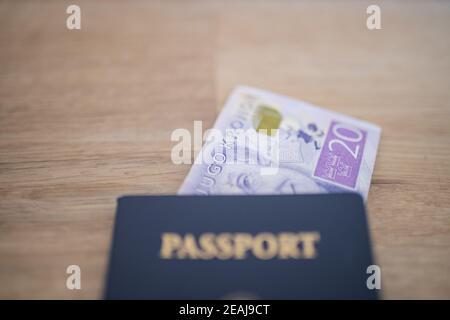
x,y
265,143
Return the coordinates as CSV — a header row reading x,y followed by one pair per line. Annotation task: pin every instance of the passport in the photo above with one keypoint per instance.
x,y
240,247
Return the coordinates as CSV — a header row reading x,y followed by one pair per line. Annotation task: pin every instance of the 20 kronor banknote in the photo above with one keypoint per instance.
x,y
317,150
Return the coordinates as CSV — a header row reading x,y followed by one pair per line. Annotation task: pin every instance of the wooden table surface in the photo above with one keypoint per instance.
x,y
86,116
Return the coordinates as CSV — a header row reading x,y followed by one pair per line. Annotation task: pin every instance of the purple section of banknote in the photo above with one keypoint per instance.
x,y
340,159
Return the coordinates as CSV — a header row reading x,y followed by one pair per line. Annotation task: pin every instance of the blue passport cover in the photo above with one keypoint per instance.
x,y
226,247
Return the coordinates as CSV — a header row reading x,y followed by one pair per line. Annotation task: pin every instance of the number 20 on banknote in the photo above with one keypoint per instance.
x,y
340,159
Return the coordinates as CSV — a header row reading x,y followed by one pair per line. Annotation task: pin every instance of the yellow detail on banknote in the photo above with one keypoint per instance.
x,y
266,119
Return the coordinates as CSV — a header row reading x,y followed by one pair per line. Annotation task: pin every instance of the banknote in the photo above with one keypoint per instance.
x,y
306,149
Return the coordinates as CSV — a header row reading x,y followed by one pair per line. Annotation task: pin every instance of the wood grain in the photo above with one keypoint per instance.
x,y
86,116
